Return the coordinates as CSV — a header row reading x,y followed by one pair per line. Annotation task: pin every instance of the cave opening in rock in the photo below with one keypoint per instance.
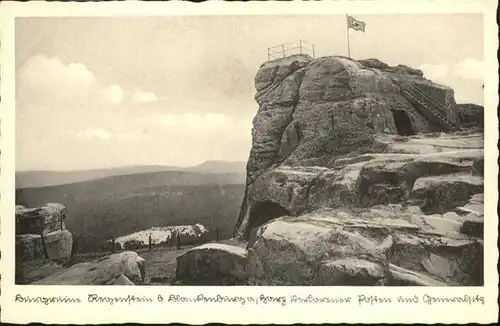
x,y
264,212
403,123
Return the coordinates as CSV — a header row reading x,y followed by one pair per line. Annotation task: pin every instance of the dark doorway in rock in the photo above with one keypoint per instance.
x,y
264,212
403,123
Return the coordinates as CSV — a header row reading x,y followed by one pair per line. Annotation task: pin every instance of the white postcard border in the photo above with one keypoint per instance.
x,y
167,312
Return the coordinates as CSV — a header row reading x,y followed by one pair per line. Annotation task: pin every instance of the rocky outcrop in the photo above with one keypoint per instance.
x,y
365,247
471,115
212,264
58,244
162,237
381,245
445,192
43,244
409,216
46,219
351,181
430,172
322,112
125,268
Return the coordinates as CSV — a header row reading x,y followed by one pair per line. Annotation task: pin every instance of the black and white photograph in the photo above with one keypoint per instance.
x,y
322,150
248,162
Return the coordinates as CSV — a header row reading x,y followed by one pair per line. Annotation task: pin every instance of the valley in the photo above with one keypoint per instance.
x,y
115,206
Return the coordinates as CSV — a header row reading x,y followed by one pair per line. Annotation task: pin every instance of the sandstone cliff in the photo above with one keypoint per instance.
x,y
318,113
359,174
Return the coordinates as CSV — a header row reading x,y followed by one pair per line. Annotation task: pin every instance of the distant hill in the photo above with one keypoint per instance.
x,y
118,205
219,167
30,179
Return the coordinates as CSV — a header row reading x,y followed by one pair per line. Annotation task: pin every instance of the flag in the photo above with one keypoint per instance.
x,y
355,24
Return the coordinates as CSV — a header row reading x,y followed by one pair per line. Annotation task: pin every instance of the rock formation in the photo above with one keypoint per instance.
x,y
43,244
161,236
471,115
125,268
316,112
227,265
351,180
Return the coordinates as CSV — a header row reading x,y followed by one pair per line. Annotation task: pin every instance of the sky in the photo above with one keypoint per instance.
x,y
110,92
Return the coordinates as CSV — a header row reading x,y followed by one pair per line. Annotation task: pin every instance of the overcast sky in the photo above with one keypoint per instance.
x,y
101,92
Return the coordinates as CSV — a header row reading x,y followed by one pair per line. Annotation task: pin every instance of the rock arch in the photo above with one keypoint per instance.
x,y
263,212
403,123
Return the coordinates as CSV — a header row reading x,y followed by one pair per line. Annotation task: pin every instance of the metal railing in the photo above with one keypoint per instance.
x,y
286,49
429,104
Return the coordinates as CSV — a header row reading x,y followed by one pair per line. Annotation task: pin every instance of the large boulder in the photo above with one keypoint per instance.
x,y
43,244
29,247
390,245
46,219
212,264
443,193
126,268
58,245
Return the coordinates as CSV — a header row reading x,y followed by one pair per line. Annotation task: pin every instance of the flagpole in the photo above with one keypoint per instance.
x,y
348,41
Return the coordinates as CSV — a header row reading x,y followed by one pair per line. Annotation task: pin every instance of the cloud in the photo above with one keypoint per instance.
x,y
113,94
144,97
466,69
434,71
469,69
103,134
53,77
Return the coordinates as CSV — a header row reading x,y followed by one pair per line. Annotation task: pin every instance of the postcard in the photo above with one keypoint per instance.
x,y
249,162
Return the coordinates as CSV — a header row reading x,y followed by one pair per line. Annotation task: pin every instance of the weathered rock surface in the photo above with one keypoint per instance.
x,y
212,264
348,247
351,180
29,247
43,244
46,219
417,170
36,271
126,268
445,192
471,115
316,114
161,236
380,245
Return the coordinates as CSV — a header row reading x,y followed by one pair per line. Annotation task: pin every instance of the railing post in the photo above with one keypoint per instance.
x,y
268,55
283,48
300,46
314,54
